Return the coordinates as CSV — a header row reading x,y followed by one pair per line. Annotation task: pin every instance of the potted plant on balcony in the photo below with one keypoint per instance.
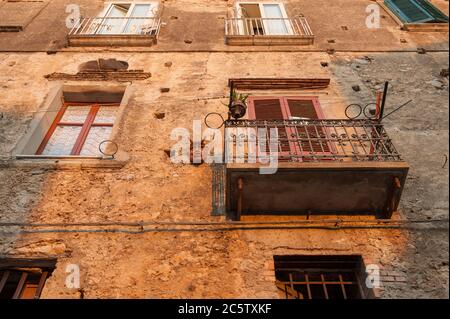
x,y
238,105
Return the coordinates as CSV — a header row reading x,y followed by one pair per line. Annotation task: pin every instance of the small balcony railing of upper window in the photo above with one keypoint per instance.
x,y
276,29
118,26
112,29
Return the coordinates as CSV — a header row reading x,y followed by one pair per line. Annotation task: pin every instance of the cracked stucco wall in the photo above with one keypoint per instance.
x,y
217,263
150,188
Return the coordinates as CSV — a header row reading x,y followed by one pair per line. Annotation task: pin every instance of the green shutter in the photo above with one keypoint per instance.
x,y
435,12
409,11
416,11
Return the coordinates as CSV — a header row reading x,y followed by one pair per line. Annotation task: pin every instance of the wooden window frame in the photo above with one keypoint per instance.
x,y
285,110
261,4
24,288
323,266
85,126
132,3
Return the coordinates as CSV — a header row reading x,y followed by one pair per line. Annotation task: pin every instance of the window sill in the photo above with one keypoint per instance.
x,y
269,40
112,40
69,162
425,27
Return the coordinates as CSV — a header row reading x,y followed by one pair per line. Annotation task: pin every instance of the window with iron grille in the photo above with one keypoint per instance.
x,y
321,277
24,279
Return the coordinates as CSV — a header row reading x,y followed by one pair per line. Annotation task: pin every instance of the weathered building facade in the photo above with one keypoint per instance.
x,y
139,226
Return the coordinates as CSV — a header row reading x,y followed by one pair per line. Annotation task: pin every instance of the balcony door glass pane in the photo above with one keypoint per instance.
x,y
115,20
136,21
274,23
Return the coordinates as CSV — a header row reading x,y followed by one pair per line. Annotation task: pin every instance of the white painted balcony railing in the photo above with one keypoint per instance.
x,y
268,27
113,26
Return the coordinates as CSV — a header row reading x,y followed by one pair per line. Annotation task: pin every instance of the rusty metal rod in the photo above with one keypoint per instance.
x,y
383,101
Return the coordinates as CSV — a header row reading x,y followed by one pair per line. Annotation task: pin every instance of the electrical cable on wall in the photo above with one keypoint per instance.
x,y
306,223
221,229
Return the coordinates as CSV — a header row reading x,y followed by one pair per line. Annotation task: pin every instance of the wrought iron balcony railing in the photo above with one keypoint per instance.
x,y
278,27
113,26
301,140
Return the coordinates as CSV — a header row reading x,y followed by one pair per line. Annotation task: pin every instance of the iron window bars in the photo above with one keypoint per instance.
x,y
21,279
320,277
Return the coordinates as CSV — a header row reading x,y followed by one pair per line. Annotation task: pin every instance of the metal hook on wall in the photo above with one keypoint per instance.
x,y
111,154
214,113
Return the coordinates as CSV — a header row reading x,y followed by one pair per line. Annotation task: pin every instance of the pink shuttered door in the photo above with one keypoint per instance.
x,y
294,140
310,139
272,108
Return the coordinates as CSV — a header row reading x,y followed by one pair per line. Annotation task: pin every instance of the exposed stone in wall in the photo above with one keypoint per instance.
x,y
47,248
103,65
119,76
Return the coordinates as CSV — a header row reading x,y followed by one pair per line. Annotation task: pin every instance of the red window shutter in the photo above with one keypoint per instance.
x,y
265,108
268,109
302,108
297,140
307,108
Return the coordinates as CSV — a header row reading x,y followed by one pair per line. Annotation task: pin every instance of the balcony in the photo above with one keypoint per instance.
x,y
268,31
113,31
324,167
305,140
